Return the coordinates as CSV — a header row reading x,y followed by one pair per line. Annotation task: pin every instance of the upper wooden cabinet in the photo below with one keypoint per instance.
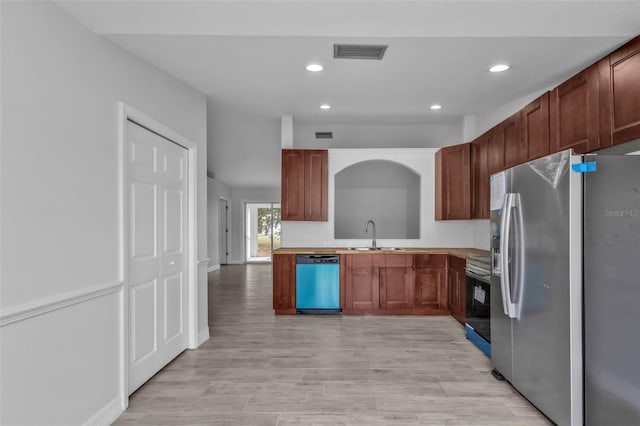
x,y
316,182
480,179
304,184
574,114
453,182
292,198
510,131
620,95
495,150
535,128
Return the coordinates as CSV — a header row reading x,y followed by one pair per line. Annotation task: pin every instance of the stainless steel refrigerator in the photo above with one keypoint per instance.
x,y
536,294
566,228
612,291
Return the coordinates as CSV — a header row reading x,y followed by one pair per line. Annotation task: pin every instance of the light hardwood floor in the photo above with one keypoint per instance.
x,y
258,369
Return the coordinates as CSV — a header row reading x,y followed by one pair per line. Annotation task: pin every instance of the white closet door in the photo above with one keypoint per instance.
x,y
157,252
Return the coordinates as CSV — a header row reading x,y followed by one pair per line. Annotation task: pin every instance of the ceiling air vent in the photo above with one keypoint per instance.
x,y
358,51
324,135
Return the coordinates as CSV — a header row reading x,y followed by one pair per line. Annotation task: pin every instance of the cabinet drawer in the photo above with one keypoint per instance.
x,y
430,260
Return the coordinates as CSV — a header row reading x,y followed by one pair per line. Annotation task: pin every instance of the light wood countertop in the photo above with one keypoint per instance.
x,y
458,252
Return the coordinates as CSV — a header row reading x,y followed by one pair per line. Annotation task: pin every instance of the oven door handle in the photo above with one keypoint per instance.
x,y
484,278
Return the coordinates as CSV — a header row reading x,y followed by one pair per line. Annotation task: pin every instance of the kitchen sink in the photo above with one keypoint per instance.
x,y
376,249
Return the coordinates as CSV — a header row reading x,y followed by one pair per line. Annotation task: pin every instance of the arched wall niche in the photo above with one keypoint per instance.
x,y
384,191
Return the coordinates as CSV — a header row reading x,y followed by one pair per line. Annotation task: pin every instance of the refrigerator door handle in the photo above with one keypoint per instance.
x,y
516,295
505,247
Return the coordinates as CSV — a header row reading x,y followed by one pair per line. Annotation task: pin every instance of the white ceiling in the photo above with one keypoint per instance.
x,y
249,56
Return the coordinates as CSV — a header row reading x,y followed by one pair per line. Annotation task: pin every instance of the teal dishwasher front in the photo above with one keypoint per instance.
x,y
317,284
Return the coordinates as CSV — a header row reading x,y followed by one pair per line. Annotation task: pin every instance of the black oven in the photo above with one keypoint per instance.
x,y
478,321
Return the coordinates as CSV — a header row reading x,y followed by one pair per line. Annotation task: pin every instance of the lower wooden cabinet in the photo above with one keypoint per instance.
x,y
457,284
384,284
361,281
396,282
284,284
378,283
431,284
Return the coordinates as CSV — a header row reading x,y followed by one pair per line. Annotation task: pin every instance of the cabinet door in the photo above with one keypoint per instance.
x,y
315,185
362,289
453,182
454,297
461,277
480,179
573,113
396,282
620,95
284,283
293,183
535,127
495,155
431,290
515,151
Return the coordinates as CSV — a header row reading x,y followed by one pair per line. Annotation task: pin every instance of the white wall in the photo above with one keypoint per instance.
x,y
377,135
432,233
60,209
216,189
244,146
239,197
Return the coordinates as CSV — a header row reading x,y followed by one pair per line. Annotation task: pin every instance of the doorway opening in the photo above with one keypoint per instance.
x,y
262,231
223,231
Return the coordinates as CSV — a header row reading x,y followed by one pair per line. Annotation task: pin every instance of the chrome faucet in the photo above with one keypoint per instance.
x,y
366,231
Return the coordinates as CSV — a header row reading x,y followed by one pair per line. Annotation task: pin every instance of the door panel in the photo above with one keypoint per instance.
x,y
223,231
143,314
501,324
173,306
542,327
362,282
173,216
157,232
612,291
143,220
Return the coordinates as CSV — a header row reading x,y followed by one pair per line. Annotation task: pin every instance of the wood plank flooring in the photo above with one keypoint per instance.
x,y
258,369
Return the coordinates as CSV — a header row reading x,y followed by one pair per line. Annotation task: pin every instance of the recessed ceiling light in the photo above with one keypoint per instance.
x,y
314,67
325,106
499,68
435,106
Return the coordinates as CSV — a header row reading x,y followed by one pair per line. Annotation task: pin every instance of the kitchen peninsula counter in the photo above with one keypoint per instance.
x,y
407,281
457,252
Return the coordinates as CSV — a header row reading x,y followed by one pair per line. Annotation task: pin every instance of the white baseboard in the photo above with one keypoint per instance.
x,y
203,335
108,414
213,268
